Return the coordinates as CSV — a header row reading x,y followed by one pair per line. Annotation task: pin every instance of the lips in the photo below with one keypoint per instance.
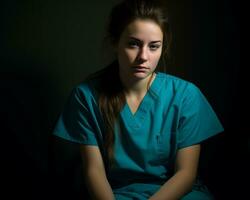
x,y
139,67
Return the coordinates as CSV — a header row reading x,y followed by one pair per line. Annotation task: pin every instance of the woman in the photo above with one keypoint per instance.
x,y
139,130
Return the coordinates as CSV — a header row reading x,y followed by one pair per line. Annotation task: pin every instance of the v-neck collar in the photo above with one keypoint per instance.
x,y
136,119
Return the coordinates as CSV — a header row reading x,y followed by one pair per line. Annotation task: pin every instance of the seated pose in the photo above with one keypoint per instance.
x,y
139,128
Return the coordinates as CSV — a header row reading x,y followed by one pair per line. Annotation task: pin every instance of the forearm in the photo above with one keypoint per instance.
x,y
98,186
175,187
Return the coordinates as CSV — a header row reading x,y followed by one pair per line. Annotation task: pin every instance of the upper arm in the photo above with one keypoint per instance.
x,y
188,159
91,158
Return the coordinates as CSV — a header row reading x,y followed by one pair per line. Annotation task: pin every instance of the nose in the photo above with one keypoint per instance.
x,y
143,54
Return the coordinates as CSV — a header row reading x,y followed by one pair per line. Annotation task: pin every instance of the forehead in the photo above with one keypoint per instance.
x,y
143,29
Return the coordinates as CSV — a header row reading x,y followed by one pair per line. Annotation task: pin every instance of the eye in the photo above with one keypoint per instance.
x,y
133,44
154,47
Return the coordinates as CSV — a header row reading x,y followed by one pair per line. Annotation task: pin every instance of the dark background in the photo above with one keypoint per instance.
x,y
47,47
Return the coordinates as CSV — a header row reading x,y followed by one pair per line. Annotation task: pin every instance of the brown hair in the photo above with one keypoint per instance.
x,y
111,95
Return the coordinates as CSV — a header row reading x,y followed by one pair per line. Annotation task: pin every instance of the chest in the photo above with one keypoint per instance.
x,y
145,136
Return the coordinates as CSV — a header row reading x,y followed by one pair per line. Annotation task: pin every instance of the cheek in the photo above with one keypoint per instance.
x,y
126,55
156,59
123,59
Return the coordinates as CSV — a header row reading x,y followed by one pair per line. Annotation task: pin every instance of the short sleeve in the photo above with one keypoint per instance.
x,y
75,123
197,120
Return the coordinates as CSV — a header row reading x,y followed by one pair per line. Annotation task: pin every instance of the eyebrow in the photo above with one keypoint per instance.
x,y
133,38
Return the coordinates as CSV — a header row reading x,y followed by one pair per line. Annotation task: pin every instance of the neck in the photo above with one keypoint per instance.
x,y
137,87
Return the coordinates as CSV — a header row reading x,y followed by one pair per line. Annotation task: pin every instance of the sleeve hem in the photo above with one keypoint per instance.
x,y
200,140
76,141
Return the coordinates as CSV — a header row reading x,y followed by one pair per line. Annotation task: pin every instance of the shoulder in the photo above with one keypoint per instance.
x,y
177,84
84,87
85,91
177,90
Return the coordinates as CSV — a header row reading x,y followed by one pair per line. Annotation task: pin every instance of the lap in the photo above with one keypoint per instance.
x,y
197,195
199,192
136,191
130,196
144,191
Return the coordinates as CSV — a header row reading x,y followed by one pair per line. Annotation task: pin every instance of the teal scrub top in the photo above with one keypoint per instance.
x,y
172,115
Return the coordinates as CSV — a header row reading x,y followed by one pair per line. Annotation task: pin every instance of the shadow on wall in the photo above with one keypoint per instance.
x,y
33,163
25,90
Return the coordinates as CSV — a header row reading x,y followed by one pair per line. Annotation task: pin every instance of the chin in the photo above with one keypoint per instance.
x,y
141,75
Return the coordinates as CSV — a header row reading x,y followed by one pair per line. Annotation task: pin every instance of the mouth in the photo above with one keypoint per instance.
x,y
140,67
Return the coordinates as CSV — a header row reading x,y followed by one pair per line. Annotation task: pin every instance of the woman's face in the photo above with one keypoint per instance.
x,y
139,49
